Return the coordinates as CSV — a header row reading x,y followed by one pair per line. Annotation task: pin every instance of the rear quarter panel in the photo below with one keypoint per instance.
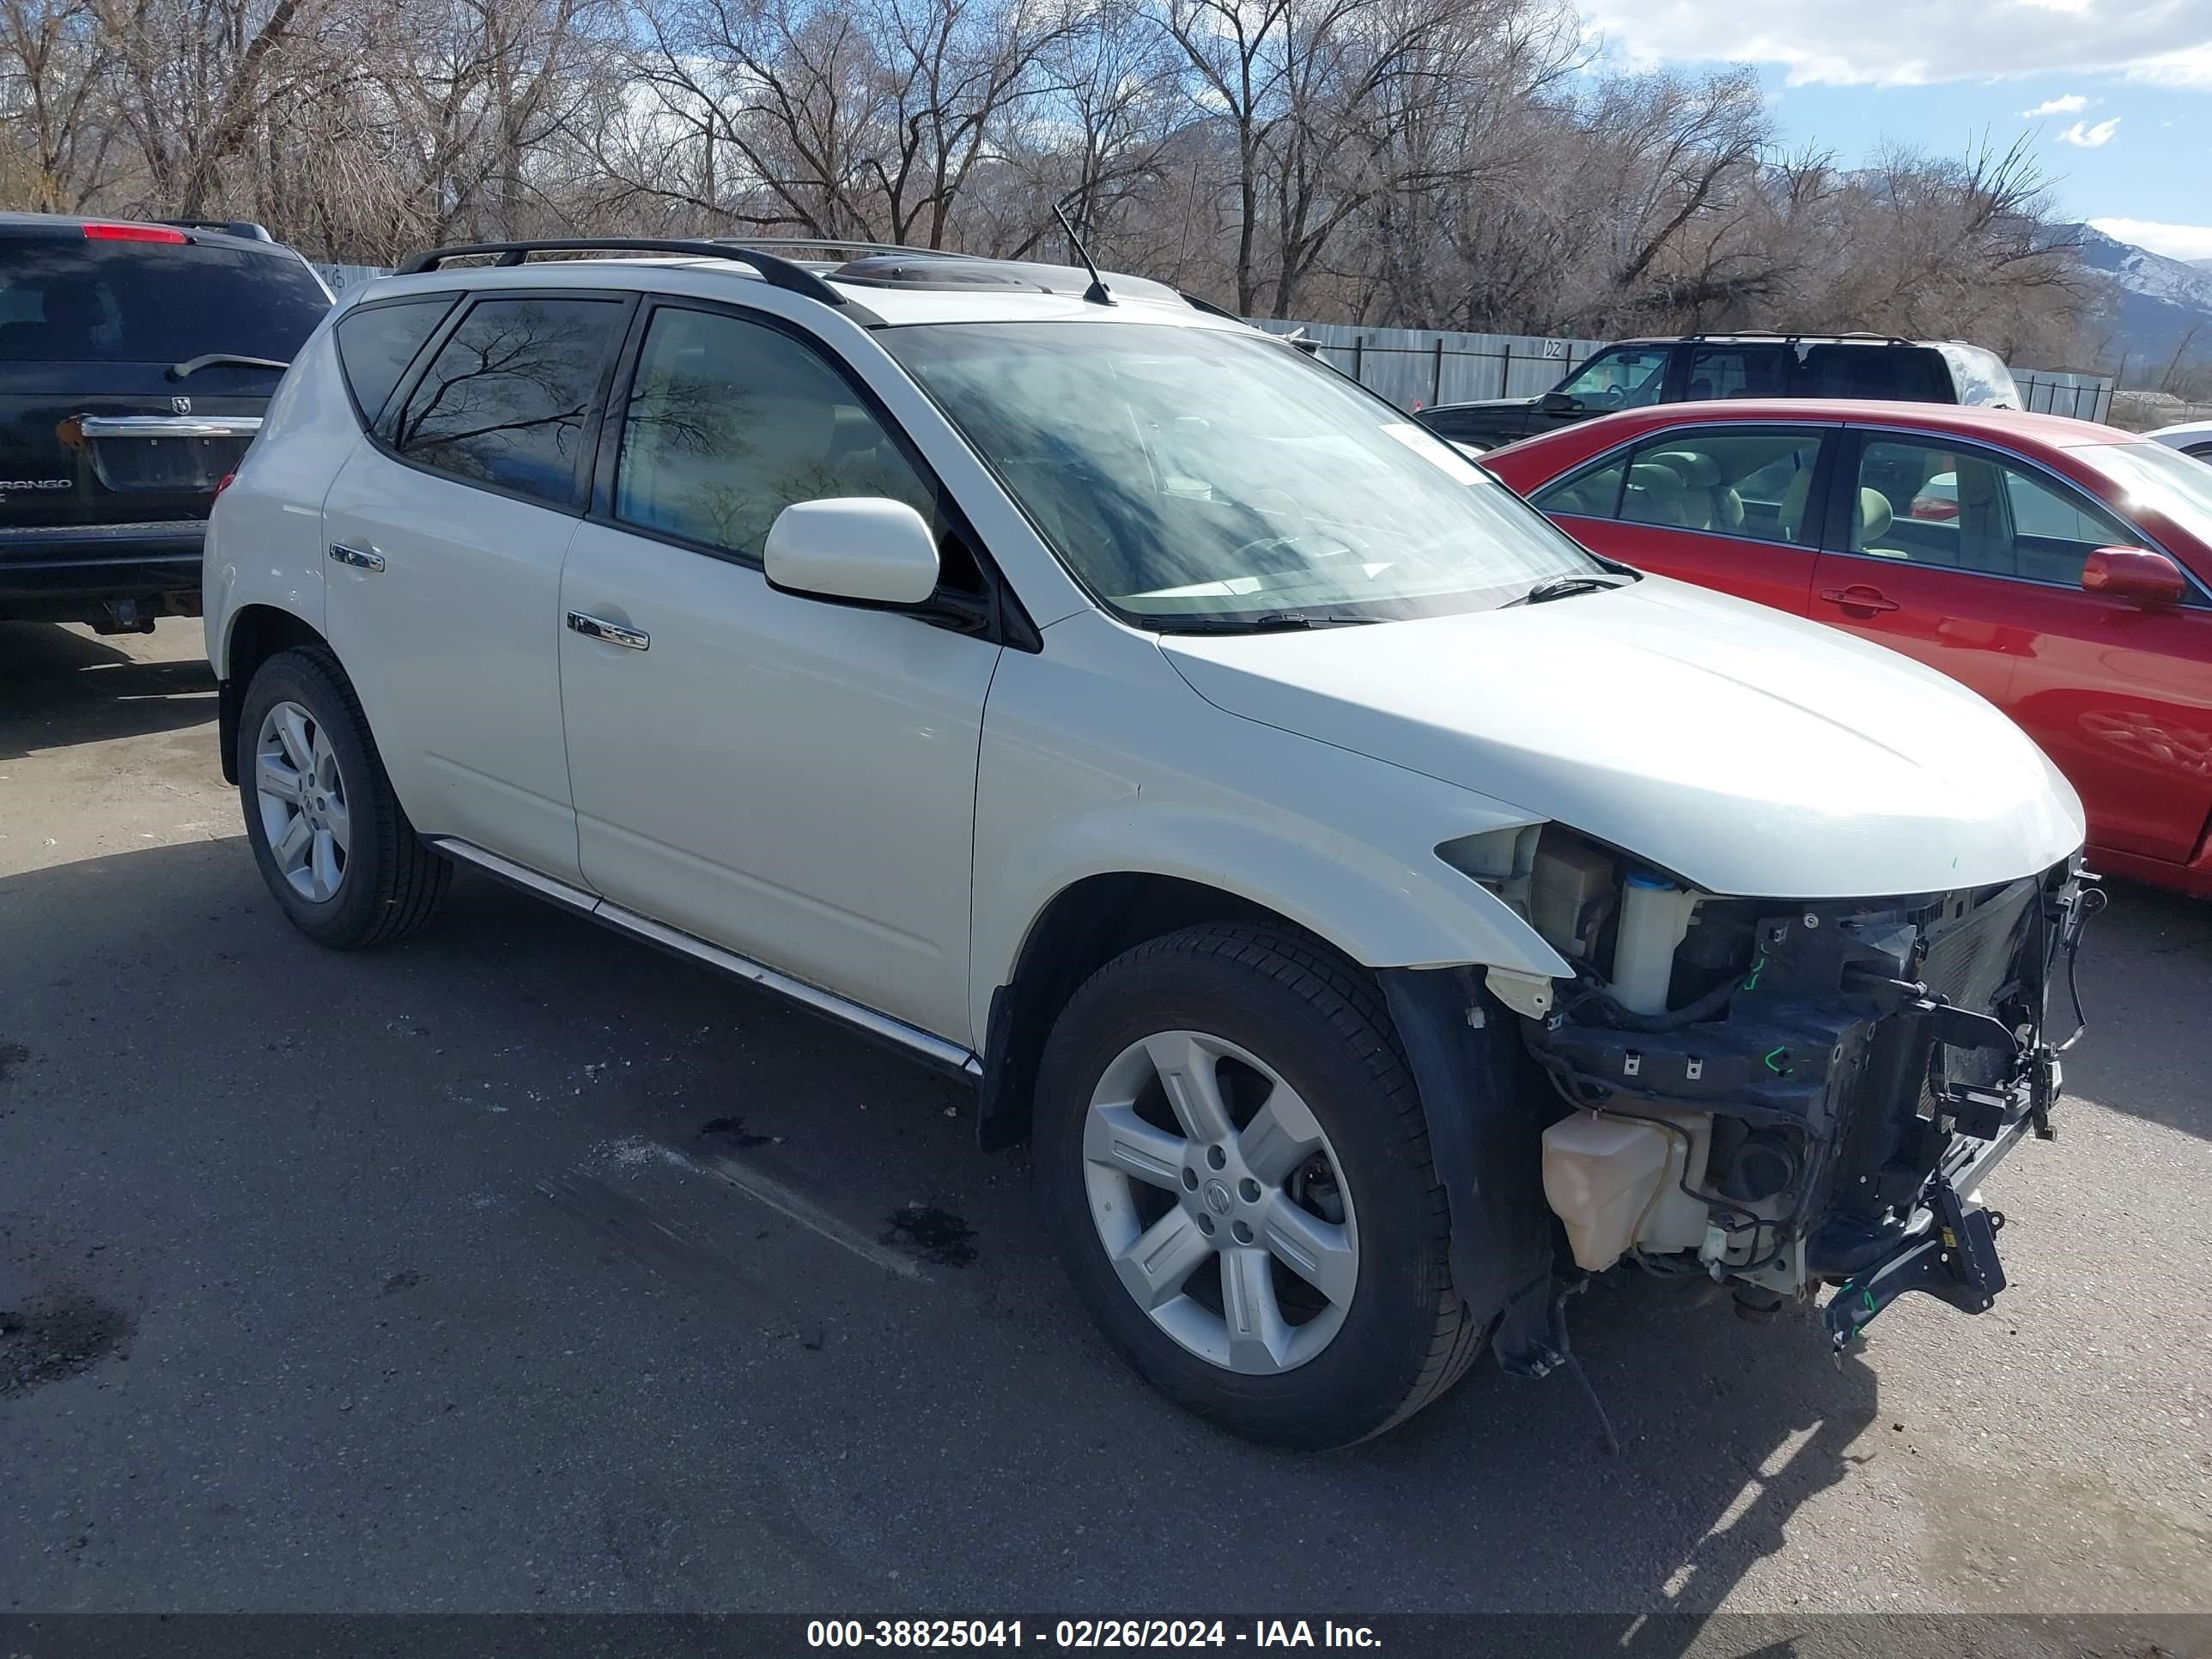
x,y
264,536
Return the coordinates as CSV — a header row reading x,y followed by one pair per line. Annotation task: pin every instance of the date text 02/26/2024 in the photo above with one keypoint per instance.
x,y
1085,1633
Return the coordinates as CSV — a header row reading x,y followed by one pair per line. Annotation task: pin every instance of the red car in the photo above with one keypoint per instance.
x,y
2062,569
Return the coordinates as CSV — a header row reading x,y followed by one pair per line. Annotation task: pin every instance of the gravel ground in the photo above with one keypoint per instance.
x,y
520,1268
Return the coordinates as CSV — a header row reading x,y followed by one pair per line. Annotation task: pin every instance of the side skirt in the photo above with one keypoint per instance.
x,y
868,1022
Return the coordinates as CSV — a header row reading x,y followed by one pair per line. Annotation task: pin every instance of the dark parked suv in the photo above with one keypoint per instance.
x,y
1634,373
135,364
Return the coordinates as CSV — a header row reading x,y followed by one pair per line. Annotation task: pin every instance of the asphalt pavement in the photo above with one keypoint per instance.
x,y
521,1267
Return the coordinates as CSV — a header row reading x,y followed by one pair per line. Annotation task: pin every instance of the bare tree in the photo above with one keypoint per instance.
x,y
1426,163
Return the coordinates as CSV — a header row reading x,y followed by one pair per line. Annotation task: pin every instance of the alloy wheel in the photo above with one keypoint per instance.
x,y
1219,1202
302,798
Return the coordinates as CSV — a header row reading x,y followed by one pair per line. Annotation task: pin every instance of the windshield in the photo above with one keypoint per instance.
x,y
1628,377
2163,480
1195,477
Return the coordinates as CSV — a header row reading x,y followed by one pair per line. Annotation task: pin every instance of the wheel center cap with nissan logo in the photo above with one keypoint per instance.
x,y
1216,1198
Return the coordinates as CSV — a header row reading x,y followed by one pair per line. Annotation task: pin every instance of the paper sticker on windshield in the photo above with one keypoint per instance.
x,y
1435,451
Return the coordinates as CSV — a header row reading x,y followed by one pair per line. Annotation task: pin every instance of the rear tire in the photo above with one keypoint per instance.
x,y
1294,1260
329,835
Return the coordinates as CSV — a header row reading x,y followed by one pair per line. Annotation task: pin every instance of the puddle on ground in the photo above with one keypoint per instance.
x,y
937,1235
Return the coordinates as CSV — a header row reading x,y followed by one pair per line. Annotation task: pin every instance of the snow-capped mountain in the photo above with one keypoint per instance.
x,y
2161,302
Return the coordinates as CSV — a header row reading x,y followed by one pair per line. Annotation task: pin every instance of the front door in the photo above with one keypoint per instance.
x,y
1733,509
790,778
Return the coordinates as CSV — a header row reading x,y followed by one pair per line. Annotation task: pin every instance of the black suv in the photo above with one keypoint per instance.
x,y
1685,369
135,364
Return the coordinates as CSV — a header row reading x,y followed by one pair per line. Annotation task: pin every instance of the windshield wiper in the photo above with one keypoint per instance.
x,y
1560,587
193,366
1267,621
1302,619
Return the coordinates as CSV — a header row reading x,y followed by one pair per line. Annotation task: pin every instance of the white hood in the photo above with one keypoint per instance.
x,y
1750,752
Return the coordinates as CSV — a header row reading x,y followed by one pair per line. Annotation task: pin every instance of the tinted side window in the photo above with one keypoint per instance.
x,y
377,342
1898,373
1737,372
730,421
506,400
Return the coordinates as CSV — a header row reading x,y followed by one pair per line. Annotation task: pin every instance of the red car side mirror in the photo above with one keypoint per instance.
x,y
2134,574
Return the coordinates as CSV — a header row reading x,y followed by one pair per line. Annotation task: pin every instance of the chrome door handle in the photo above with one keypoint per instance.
x,y
598,628
361,558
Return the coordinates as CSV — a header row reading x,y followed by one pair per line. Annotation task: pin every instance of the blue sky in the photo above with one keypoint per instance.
x,y
2116,93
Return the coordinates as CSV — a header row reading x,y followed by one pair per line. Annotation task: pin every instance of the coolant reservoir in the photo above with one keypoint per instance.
x,y
1600,1176
1617,1182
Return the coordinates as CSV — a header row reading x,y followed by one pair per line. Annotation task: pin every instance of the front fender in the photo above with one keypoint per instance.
x,y
1378,909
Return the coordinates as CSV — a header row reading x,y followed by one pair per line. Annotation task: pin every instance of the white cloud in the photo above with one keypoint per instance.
x,y
2072,104
1920,42
2085,136
2175,241
2190,67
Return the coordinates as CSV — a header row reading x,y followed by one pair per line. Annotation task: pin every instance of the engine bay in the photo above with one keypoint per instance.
x,y
1786,1095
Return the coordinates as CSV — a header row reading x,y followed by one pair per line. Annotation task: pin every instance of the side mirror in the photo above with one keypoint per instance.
x,y
2134,574
865,548
1558,403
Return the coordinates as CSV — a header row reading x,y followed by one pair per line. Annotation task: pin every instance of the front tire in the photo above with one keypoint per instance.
x,y
332,841
1235,1169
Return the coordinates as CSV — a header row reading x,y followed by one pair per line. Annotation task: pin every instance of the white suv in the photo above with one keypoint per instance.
x,y
1381,911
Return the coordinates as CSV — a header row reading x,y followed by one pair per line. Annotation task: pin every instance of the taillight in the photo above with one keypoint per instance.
x,y
135,233
225,482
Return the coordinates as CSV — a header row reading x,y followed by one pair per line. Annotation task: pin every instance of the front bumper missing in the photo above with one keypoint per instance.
x,y
1949,1249
1897,1048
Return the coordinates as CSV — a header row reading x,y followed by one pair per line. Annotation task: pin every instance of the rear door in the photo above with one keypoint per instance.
x,y
1731,507
444,536
1912,534
109,413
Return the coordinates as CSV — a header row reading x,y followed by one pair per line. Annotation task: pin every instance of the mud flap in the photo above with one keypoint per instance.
x,y
1485,1129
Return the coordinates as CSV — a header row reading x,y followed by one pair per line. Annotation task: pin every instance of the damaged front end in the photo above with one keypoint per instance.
x,y
1787,1094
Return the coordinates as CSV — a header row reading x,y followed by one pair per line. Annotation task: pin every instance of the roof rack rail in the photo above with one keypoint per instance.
x,y
859,245
777,273
1786,335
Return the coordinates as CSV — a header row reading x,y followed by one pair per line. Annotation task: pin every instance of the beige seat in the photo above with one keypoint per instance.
x,y
1791,511
1654,496
1709,502
1871,518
